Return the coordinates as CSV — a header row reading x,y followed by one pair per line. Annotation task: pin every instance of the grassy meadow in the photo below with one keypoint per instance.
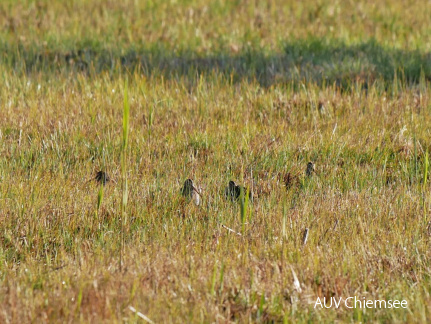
x,y
214,90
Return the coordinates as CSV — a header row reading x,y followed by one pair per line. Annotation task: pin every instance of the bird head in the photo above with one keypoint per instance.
x,y
310,168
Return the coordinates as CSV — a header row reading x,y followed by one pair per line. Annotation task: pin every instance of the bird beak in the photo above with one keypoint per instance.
x,y
196,190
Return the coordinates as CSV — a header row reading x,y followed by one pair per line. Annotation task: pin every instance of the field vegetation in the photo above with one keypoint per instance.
x,y
155,92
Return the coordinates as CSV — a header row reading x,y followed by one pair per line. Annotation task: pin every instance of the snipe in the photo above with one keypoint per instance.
x,y
233,191
190,192
295,180
102,177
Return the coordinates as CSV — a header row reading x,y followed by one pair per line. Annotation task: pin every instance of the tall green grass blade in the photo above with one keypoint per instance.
x,y
426,166
261,304
416,156
124,188
126,111
284,221
244,200
100,197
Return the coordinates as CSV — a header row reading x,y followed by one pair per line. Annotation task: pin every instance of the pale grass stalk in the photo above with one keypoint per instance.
x,y
144,317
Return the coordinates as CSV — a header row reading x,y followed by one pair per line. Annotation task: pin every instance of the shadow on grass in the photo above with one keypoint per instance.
x,y
306,60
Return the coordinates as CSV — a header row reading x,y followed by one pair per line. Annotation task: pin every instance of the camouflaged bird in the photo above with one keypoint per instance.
x,y
233,191
102,177
190,192
291,180
310,169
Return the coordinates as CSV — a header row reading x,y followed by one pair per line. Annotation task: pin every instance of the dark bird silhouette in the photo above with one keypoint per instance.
x,y
102,177
292,180
310,169
305,236
190,192
233,191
